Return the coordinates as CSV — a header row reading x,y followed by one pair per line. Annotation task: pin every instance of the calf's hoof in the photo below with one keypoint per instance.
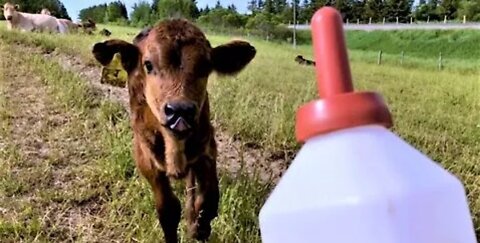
x,y
200,232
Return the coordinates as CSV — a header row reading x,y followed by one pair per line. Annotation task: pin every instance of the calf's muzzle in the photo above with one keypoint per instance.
x,y
180,117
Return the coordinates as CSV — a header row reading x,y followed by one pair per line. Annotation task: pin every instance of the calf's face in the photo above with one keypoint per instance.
x,y
172,62
9,11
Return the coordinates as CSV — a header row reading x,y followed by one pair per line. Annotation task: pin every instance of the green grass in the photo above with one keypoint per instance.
x,y
91,157
436,111
456,44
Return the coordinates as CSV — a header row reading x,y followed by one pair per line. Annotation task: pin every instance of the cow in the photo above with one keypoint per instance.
x,y
68,25
64,25
28,22
302,61
168,66
45,11
105,32
89,26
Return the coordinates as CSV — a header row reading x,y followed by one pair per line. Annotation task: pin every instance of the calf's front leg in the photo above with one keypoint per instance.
x,y
206,200
167,205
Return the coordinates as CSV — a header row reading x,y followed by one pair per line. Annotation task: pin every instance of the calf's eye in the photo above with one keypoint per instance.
x,y
148,66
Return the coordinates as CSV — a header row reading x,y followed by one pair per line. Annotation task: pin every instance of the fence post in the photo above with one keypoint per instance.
x,y
440,62
383,20
402,57
370,20
347,22
411,20
428,19
397,20
445,19
379,61
464,19
358,21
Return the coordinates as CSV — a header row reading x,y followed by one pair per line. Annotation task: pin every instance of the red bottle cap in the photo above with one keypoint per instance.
x,y
340,107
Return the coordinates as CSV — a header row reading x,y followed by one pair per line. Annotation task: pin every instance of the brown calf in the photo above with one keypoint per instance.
x,y
302,61
168,68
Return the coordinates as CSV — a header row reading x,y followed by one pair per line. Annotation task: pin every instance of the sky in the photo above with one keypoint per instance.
x,y
74,6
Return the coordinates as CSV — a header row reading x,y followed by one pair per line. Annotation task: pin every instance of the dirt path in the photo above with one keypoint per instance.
x,y
44,152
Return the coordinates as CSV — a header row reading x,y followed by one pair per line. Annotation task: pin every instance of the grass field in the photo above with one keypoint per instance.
x,y
436,111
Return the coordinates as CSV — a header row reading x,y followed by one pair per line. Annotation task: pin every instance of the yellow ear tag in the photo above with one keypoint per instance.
x,y
114,74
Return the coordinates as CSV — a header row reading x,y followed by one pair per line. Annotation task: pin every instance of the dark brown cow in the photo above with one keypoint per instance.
x,y
88,27
105,32
301,60
168,68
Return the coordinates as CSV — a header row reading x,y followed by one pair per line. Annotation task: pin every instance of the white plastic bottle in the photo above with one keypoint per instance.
x,y
354,181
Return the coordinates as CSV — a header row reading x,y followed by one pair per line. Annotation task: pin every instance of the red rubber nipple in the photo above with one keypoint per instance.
x,y
340,107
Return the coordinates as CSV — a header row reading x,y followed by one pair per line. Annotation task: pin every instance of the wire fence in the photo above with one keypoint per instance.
x,y
440,63
359,24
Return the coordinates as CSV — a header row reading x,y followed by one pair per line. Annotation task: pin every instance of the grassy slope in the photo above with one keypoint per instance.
x,y
421,47
83,187
457,44
435,111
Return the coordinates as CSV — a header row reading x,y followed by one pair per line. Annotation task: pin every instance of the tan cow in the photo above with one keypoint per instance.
x,y
28,22
67,26
64,25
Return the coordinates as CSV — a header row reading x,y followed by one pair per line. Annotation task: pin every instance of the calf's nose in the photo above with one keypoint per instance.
x,y
9,18
180,115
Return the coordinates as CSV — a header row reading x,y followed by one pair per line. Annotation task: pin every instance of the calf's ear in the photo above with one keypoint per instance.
x,y
231,58
17,7
130,54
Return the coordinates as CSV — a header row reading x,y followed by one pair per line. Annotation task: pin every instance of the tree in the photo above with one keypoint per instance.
x,y
260,4
204,11
225,17
218,5
399,8
279,6
177,8
358,10
142,14
426,10
449,8
232,7
376,9
116,11
344,7
95,13
303,12
269,7
252,6
470,9
264,22
194,11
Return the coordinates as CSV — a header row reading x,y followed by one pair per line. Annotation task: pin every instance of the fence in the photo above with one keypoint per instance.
x,y
440,64
358,24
